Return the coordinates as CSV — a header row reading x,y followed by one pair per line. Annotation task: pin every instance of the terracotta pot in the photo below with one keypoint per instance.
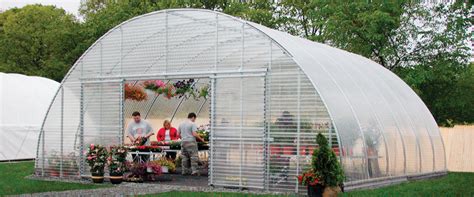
x,y
316,190
116,179
97,179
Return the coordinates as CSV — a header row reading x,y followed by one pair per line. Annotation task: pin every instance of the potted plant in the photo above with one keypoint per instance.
x,y
54,163
167,166
116,161
96,158
325,174
137,171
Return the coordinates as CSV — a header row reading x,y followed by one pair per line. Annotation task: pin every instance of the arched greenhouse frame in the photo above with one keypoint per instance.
x,y
270,94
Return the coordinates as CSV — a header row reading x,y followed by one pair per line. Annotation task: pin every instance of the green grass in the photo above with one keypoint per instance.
x,y
13,181
454,184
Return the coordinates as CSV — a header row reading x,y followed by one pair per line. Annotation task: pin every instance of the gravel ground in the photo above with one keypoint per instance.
x,y
177,183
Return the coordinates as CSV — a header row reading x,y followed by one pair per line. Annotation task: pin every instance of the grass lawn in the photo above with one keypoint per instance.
x,y
13,181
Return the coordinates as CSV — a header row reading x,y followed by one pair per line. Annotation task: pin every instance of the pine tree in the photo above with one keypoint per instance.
x,y
326,164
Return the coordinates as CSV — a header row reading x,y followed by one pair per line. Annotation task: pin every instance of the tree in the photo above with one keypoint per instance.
x,y
326,164
38,40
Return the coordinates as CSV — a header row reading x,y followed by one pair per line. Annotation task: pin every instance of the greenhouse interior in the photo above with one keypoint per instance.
x,y
261,95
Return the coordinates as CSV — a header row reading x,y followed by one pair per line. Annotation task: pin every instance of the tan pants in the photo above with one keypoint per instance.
x,y
189,157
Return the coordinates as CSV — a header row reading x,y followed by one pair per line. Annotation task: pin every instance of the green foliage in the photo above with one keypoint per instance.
x,y
325,163
38,40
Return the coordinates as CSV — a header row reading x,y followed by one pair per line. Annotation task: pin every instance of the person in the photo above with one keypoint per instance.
x,y
189,149
166,135
138,131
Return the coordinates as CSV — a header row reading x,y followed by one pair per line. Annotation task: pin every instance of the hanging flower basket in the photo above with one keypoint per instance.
x,y
135,92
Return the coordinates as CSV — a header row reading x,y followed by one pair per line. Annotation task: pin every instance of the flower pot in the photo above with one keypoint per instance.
x,y
315,190
164,169
149,170
116,179
97,179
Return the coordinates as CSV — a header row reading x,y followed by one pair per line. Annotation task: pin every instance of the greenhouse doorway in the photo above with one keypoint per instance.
x,y
235,110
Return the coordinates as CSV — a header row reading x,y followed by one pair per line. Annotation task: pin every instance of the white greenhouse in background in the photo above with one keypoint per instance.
x,y
24,101
270,94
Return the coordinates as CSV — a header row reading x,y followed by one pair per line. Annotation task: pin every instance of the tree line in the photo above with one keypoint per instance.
x,y
427,45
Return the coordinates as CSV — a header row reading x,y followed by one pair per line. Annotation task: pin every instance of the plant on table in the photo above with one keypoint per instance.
x,y
96,158
140,141
166,163
325,172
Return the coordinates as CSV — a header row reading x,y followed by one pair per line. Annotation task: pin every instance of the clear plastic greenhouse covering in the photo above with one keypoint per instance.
x,y
24,101
270,94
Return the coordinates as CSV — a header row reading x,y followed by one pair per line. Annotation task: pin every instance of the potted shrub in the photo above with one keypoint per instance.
x,y
325,175
116,161
96,158
137,171
167,166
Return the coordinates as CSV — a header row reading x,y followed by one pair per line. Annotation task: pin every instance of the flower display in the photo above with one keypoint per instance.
x,y
96,158
135,92
153,167
163,162
145,148
116,160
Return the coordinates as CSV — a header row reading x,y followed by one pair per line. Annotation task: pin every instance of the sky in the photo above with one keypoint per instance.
x,y
71,6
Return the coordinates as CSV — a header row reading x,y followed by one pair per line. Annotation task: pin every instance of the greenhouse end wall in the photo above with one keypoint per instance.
x,y
376,124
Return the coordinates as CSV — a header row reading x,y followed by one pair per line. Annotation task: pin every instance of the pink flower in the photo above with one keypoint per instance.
x,y
92,146
89,158
159,83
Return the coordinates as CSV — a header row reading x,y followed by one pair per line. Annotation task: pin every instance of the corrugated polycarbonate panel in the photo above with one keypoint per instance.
x,y
384,128
238,133
102,114
266,126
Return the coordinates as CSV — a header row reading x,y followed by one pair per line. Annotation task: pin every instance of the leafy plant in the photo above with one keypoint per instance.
x,y
309,177
135,92
325,164
166,163
116,160
96,158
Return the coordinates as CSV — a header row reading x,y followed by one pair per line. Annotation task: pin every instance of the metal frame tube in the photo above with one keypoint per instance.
x,y
298,128
122,108
213,120
81,135
175,75
62,135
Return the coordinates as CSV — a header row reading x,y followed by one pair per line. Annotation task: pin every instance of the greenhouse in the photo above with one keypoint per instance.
x,y
263,94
